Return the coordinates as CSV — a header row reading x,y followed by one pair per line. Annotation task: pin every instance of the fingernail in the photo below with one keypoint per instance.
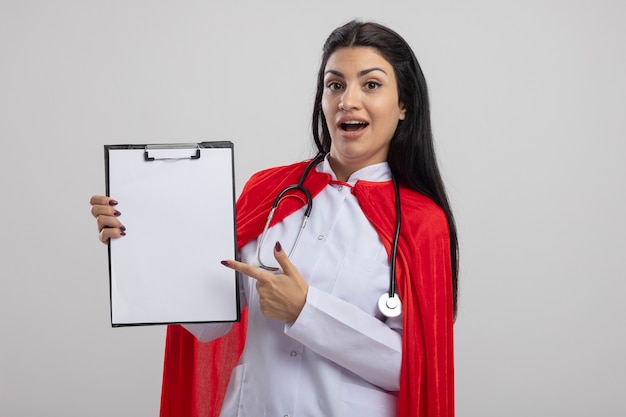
x,y
225,263
278,247
112,203
123,233
122,228
116,213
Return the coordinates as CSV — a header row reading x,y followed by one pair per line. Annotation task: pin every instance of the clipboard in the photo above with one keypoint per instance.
x,y
178,206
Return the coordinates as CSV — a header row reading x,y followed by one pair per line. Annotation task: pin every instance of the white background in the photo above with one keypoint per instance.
x,y
528,103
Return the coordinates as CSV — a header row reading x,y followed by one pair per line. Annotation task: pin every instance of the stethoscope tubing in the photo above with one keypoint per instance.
x,y
389,303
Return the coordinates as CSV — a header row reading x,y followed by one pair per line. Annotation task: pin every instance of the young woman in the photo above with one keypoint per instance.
x,y
327,335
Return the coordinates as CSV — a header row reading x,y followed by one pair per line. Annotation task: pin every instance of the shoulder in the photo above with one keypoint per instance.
x,y
414,205
277,174
416,202
422,213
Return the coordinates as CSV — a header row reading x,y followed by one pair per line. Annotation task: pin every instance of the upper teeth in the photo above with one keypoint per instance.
x,y
354,122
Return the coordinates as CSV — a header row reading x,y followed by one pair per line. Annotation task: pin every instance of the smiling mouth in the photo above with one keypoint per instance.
x,y
353,126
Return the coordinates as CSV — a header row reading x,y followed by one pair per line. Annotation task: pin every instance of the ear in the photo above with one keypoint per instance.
x,y
402,114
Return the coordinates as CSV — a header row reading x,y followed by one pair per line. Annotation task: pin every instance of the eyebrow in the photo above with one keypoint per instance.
x,y
360,74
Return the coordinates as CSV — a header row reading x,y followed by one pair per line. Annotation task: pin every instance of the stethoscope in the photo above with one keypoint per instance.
x,y
389,302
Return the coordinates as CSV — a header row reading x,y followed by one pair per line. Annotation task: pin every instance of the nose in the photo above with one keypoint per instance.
x,y
350,99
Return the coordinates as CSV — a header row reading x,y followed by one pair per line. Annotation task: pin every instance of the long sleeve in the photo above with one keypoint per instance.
x,y
206,332
351,338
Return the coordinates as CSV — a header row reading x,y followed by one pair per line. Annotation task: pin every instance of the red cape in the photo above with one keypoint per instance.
x,y
196,375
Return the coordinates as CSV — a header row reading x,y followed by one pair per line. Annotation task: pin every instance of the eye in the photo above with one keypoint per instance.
x,y
372,85
334,86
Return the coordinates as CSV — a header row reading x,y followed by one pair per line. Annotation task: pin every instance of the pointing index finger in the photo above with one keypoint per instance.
x,y
249,270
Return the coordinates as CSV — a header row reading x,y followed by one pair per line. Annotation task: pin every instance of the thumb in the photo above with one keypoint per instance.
x,y
283,259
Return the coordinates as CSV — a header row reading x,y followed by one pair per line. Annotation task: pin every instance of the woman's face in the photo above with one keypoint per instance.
x,y
361,106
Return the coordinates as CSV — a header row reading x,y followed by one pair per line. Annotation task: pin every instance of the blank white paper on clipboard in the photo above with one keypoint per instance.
x,y
177,204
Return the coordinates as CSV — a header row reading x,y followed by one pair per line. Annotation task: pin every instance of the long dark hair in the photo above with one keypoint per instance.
x,y
411,155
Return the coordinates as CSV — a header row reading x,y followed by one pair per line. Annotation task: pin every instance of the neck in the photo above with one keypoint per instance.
x,y
342,171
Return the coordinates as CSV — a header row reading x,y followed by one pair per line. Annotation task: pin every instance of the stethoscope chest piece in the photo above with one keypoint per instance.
x,y
390,306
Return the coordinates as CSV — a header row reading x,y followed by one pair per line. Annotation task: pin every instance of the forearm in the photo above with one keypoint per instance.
x,y
351,338
206,332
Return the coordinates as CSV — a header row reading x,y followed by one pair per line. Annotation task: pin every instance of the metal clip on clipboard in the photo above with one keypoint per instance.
x,y
171,152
